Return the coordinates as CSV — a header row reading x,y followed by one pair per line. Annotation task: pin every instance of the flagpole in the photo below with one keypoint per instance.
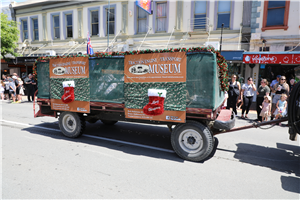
x,y
108,13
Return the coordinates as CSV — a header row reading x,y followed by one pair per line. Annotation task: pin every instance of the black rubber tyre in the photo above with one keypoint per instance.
x,y
192,141
71,124
108,122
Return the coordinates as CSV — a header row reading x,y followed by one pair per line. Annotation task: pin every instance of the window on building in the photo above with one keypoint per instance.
x,y
124,18
276,15
292,48
35,29
69,25
179,15
56,27
141,20
25,29
264,48
95,22
110,20
200,15
224,14
161,17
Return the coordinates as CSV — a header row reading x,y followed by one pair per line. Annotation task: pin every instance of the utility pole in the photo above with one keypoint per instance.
x,y
221,37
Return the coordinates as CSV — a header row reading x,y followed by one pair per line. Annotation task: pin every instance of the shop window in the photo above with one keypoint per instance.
x,y
142,18
276,15
200,14
161,17
224,11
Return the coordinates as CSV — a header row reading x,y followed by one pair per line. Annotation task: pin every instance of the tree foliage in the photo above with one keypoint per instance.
x,y
9,36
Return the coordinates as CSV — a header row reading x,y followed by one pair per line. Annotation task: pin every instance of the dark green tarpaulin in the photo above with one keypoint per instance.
x,y
106,82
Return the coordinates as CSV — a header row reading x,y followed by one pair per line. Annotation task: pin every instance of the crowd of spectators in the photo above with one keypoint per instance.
x,y
271,99
13,88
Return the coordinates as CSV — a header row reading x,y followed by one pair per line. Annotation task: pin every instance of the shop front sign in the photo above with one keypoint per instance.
x,y
271,58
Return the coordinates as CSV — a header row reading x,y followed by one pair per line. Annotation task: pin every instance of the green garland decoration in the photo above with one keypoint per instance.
x,y
222,65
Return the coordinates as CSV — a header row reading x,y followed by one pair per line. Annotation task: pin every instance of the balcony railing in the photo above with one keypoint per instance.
x,y
199,24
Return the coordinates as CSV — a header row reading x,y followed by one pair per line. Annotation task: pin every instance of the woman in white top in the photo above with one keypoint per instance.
x,y
2,85
247,96
21,91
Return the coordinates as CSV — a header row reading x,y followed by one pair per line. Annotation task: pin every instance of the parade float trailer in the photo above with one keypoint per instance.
x,y
180,88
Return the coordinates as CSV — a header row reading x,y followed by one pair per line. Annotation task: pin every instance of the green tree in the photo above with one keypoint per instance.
x,y
9,36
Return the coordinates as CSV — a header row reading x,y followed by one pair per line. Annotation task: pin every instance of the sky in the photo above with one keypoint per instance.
x,y
7,2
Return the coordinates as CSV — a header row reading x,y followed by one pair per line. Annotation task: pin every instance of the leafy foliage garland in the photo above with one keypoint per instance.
x,y
222,65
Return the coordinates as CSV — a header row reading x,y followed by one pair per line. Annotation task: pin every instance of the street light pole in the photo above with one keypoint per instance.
x,y
221,37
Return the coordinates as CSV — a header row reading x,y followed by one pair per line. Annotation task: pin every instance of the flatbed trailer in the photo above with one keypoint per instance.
x,y
114,87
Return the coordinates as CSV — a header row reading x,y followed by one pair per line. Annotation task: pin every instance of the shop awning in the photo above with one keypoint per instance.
x,y
286,57
233,55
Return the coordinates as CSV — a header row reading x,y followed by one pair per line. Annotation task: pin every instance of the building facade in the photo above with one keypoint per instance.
x,y
61,27
275,40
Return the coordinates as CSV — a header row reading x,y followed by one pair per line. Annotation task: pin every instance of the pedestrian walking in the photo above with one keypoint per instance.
x,y
247,96
233,93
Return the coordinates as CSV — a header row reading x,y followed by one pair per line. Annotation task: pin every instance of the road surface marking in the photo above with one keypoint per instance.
x,y
96,137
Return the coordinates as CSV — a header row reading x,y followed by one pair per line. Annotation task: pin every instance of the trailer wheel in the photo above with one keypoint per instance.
x,y
108,122
71,124
192,141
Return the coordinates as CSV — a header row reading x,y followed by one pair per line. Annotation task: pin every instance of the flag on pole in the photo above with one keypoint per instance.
x,y
89,45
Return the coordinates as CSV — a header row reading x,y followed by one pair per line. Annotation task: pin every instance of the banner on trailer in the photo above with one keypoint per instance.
x,y
69,69
167,116
77,67
75,106
155,67
163,68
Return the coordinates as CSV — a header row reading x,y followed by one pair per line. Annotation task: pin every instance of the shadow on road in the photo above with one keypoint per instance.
x,y
154,136
285,158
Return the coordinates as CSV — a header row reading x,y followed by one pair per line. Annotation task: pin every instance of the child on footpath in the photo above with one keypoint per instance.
x,y
266,108
281,106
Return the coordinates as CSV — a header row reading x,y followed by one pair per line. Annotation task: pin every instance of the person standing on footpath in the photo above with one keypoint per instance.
x,y
6,87
2,85
12,89
21,90
273,83
262,91
280,88
30,87
247,96
17,87
233,93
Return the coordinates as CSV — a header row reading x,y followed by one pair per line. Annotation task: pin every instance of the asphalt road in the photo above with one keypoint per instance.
x,y
136,161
